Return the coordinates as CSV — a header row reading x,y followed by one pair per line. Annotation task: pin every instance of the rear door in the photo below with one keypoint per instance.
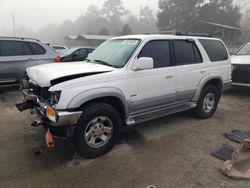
x,y
190,68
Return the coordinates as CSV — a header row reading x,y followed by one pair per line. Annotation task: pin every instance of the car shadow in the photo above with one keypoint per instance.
x,y
238,91
64,152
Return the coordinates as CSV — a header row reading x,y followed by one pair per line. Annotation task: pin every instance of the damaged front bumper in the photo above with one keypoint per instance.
x,y
63,118
40,106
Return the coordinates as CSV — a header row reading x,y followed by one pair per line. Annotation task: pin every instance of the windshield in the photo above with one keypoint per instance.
x,y
245,50
115,52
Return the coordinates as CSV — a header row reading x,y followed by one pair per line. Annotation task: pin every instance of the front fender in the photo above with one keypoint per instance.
x,y
92,94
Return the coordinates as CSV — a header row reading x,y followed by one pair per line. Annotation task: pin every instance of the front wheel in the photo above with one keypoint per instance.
x,y
96,130
208,102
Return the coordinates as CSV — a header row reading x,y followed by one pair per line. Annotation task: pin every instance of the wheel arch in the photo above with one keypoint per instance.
x,y
215,80
111,96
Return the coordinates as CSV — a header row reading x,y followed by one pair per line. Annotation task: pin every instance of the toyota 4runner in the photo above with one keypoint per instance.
x,y
125,81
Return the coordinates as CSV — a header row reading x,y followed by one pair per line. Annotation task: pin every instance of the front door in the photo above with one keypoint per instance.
x,y
153,89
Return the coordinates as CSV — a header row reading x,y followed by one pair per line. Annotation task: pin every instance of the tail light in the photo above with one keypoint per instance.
x,y
57,59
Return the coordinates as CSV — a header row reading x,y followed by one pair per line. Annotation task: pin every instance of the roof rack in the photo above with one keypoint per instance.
x,y
180,33
22,38
199,34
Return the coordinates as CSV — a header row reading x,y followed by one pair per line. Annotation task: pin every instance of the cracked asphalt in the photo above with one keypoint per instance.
x,y
169,152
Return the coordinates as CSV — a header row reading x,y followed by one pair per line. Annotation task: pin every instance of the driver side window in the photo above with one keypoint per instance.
x,y
81,53
159,51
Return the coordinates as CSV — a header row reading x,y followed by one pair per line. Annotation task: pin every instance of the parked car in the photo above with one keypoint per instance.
x,y
241,66
76,54
59,48
125,81
16,54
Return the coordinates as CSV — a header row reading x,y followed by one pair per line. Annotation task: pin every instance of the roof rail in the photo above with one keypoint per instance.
x,y
166,33
180,33
200,34
22,38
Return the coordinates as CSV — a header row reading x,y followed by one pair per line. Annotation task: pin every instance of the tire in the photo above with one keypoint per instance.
x,y
208,102
99,121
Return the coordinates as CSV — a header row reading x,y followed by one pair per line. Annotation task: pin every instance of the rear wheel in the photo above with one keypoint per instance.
x,y
208,102
97,129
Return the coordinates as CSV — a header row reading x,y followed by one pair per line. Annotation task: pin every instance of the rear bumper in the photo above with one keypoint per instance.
x,y
226,85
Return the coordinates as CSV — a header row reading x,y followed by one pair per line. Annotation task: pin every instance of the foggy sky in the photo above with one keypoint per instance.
x,y
34,14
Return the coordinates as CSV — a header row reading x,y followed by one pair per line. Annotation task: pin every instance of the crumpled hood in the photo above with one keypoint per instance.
x,y
44,74
240,59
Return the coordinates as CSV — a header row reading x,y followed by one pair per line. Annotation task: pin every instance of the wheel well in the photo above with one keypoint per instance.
x,y
216,82
113,101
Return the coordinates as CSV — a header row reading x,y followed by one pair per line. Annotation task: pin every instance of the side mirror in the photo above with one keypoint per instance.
x,y
143,63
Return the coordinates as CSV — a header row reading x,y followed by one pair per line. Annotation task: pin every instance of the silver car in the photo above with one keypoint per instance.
x,y
16,54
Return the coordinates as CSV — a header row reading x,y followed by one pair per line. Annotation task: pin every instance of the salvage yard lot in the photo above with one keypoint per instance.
x,y
169,152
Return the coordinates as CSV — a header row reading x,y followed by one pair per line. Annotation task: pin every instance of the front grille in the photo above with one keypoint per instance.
x,y
241,74
43,93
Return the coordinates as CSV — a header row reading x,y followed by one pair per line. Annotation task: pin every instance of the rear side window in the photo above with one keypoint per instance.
x,y
159,51
18,48
215,49
186,52
35,48
81,52
11,48
26,49
91,50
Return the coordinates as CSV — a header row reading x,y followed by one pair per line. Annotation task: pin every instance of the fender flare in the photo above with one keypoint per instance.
x,y
203,82
92,94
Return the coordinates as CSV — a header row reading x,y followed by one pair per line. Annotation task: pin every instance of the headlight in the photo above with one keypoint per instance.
x,y
233,67
55,97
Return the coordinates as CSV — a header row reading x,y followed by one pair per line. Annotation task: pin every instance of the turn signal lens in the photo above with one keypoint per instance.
x,y
51,114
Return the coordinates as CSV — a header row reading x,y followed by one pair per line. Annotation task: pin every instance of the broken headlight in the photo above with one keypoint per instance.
x,y
54,97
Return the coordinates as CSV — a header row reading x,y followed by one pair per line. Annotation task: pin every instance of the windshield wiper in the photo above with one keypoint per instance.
x,y
102,62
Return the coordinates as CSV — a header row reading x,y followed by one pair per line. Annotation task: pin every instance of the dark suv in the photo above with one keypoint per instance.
x,y
16,54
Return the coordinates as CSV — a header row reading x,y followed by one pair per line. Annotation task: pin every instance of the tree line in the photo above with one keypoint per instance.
x,y
112,18
178,14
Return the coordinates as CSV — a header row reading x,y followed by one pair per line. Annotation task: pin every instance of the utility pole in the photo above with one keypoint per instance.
x,y
140,13
13,24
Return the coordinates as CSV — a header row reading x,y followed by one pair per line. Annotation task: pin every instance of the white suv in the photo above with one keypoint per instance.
x,y
125,81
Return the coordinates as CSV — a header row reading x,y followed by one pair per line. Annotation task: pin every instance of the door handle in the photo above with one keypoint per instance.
x,y
29,59
169,76
203,72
